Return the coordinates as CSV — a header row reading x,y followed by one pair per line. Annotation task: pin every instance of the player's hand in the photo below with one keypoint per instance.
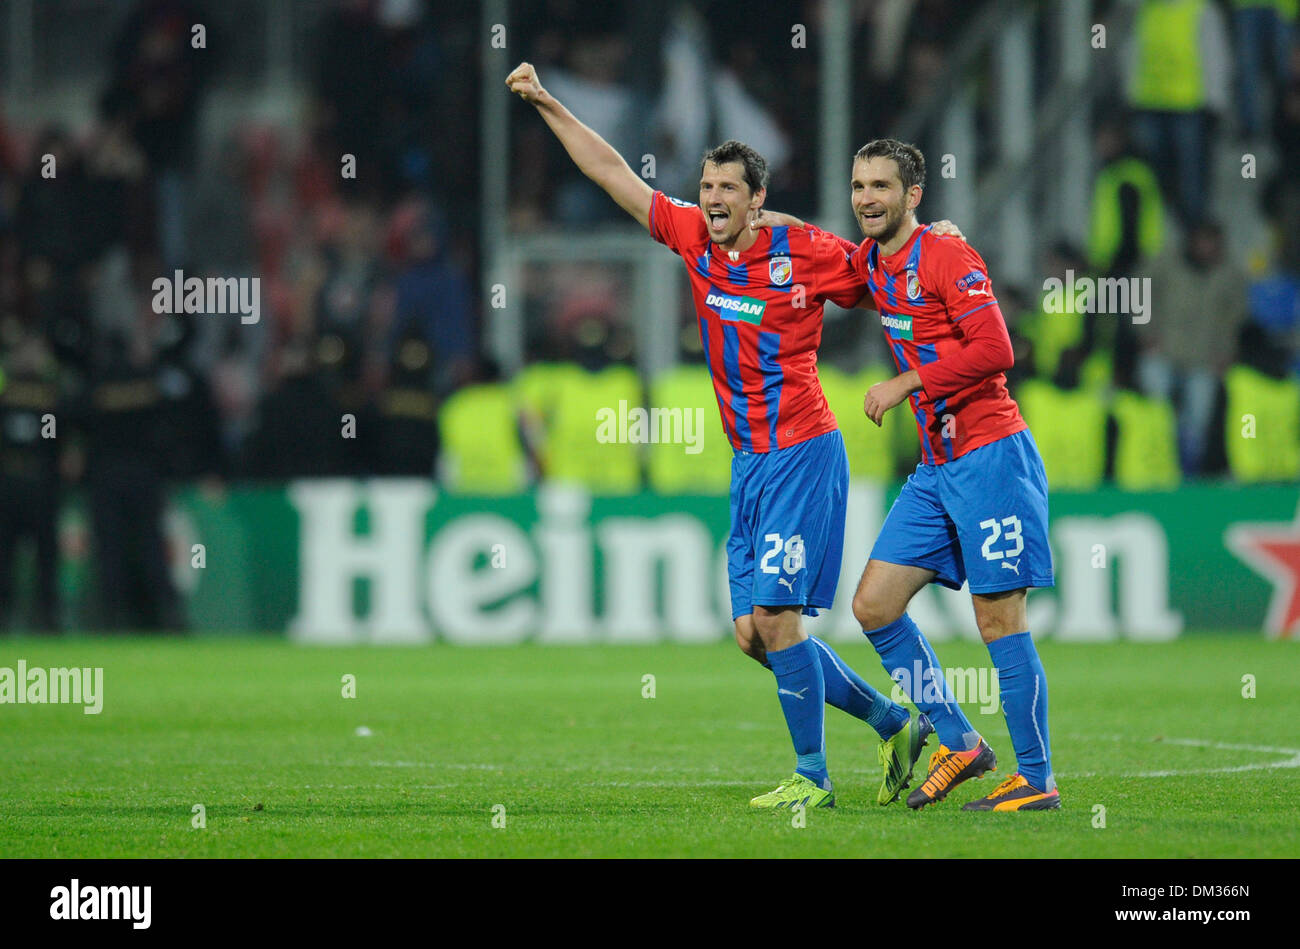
x,y
946,228
765,218
524,83
882,397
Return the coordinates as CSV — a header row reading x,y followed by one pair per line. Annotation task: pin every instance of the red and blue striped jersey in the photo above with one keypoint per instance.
x,y
923,293
760,320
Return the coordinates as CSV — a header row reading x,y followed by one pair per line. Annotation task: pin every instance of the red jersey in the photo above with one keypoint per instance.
x,y
760,319
929,294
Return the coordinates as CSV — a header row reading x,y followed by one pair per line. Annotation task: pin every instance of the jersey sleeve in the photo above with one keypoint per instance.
x,y
837,276
959,277
987,351
678,225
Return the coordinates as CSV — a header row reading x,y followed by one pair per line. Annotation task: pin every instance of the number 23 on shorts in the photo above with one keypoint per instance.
x,y
1012,536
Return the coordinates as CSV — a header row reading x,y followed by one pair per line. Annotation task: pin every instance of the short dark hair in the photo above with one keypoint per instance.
x,y
755,165
910,161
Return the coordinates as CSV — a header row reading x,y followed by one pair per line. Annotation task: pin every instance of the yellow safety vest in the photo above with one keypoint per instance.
x,y
1105,229
582,450
1146,444
538,388
1070,430
1051,335
686,393
481,453
1168,75
1262,426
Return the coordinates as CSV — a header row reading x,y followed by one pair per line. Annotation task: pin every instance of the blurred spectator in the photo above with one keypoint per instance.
x,y
377,77
157,87
1055,333
1178,75
433,300
52,231
1198,305
1263,30
190,426
1262,417
29,474
351,275
1128,215
120,420
1127,231
405,418
1281,199
298,432
484,452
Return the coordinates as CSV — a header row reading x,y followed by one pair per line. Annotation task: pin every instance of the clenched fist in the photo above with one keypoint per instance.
x,y
523,81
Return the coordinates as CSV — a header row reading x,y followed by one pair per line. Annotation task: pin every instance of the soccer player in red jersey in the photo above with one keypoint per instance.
x,y
759,295
975,509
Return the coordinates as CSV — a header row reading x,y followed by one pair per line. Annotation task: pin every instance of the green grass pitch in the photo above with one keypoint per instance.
x,y
259,733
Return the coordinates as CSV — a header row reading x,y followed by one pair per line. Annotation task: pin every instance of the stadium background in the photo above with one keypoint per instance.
x,y
470,302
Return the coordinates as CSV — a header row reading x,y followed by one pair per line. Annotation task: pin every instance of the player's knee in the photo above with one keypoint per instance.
x,y
995,627
773,626
1000,614
872,612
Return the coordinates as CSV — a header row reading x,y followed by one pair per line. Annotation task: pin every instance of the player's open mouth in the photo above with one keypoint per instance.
x,y
872,215
718,219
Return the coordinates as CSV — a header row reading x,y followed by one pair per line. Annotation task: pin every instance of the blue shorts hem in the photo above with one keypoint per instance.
x,y
1032,582
808,608
940,577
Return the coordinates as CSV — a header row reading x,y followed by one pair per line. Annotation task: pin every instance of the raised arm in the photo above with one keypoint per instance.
x,y
594,156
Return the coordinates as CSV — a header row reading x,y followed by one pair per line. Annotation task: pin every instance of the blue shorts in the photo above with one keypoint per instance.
x,y
787,525
981,517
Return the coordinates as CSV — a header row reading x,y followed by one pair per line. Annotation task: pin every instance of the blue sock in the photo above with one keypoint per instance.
x,y
1023,685
848,691
802,692
907,657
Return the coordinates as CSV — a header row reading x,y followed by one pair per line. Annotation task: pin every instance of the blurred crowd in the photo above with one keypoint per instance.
x,y
367,308
368,357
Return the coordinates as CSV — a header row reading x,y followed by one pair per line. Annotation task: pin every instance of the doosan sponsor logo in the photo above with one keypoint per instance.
x,y
134,903
746,308
901,324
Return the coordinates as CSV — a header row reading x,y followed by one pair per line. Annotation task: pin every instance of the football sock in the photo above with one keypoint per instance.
x,y
1023,685
906,654
848,691
802,693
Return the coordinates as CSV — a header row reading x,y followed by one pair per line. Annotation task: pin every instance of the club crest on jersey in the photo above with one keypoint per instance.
x,y
734,308
913,286
779,271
